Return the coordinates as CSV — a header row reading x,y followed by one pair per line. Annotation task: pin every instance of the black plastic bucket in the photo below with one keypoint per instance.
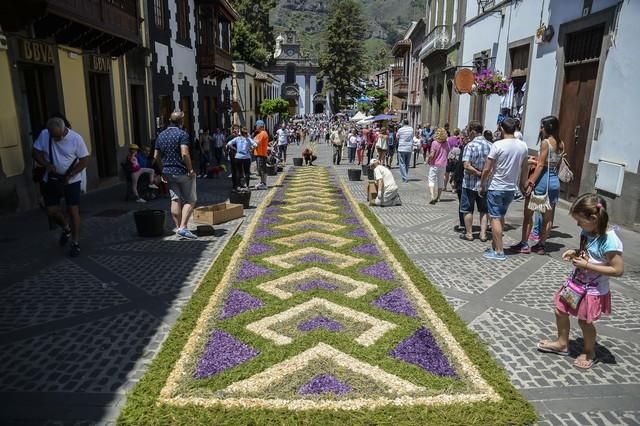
x,y
354,174
149,223
297,162
242,197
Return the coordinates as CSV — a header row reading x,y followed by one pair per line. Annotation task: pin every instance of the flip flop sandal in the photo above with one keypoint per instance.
x,y
587,364
465,237
548,350
484,240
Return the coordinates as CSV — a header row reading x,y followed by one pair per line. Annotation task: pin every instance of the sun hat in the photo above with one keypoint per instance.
x,y
134,146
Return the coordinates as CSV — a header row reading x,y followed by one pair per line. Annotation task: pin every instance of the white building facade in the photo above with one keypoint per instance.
x,y
575,60
250,87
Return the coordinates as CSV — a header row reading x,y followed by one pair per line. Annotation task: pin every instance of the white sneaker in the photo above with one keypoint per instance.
x,y
153,186
141,200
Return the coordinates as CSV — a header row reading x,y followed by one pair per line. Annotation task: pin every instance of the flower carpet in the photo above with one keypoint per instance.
x,y
314,317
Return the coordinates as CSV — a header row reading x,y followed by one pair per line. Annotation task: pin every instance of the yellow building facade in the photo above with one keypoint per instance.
x,y
83,76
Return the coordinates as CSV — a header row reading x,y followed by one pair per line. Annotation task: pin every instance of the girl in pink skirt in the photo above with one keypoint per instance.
x,y
599,257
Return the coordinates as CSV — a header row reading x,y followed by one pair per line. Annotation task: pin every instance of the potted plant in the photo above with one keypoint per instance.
x,y
488,82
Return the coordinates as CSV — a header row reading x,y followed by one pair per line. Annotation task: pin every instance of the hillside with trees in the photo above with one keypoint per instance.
x,y
386,22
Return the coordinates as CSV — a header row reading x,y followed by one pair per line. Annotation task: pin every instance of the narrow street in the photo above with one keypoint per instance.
x,y
77,334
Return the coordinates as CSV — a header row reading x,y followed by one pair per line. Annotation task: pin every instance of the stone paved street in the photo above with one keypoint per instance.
x,y
509,305
76,334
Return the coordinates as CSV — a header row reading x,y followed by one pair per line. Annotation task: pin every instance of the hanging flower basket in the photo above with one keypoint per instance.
x,y
488,82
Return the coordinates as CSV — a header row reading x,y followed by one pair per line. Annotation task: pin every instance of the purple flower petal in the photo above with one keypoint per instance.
x,y
222,352
238,302
422,350
314,284
264,232
396,301
269,220
320,322
370,249
360,233
250,270
272,210
352,221
324,383
380,270
258,248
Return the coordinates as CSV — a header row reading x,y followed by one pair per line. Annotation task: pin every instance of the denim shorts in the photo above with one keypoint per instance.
x,y
551,177
469,197
498,203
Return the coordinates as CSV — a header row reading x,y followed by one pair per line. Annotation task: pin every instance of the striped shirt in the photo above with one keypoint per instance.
x,y
405,139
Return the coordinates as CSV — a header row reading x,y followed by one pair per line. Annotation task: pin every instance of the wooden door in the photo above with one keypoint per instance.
x,y
104,136
575,116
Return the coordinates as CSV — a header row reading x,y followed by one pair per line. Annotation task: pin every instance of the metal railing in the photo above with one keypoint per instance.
x,y
438,39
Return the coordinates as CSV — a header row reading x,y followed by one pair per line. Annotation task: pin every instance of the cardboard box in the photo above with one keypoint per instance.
x,y
217,213
372,191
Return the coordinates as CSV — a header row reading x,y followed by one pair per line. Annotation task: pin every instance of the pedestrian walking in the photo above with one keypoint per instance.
x,y
218,141
283,142
352,145
405,148
438,156
543,180
382,145
360,147
64,155
586,294
391,142
205,155
473,159
242,145
506,161
337,141
172,149
261,139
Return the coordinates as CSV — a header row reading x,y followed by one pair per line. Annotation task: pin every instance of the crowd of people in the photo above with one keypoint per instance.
x,y
486,169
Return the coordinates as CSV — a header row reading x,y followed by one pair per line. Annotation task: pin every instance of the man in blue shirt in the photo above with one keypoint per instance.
x,y
172,148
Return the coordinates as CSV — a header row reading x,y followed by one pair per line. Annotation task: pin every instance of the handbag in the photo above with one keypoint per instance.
x,y
564,171
573,291
56,182
540,203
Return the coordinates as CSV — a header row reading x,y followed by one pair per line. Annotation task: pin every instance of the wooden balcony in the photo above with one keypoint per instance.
x,y
108,26
401,87
214,62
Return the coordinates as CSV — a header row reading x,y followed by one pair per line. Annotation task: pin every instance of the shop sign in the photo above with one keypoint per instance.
x,y
99,63
36,51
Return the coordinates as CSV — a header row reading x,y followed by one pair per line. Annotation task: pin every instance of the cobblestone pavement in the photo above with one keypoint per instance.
x,y
509,305
76,334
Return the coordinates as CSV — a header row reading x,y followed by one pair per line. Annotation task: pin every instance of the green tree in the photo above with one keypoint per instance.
x,y
343,60
274,106
380,97
252,37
